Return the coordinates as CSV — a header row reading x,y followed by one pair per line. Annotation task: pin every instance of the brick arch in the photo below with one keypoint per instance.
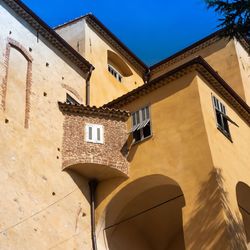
x,y
73,91
11,43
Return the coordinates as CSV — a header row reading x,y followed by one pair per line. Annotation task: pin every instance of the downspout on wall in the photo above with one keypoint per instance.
x,y
92,188
88,86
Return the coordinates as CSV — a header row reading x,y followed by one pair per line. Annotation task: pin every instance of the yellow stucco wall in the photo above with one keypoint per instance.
x,y
231,160
41,206
45,208
103,86
74,34
222,56
244,63
187,147
179,149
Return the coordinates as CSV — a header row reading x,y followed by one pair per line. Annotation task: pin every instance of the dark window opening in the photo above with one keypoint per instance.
x,y
115,73
71,100
141,124
221,117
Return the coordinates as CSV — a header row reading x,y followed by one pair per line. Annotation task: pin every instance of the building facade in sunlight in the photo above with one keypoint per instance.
x,y
100,151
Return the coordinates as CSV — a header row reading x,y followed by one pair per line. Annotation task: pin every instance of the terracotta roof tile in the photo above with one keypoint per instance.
x,y
94,111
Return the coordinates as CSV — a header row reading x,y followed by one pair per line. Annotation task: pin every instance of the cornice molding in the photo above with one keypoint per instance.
x,y
116,43
204,69
49,34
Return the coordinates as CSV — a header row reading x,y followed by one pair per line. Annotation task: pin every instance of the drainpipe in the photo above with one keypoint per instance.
x,y
88,86
92,188
146,76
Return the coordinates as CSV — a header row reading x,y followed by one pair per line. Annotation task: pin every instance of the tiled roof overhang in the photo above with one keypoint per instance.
x,y
42,28
116,43
190,50
204,69
94,111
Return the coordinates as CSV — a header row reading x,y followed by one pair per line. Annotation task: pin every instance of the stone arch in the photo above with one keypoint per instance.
x,y
243,199
12,44
146,214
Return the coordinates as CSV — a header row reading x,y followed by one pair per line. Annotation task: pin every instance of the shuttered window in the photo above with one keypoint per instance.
x,y
221,117
141,126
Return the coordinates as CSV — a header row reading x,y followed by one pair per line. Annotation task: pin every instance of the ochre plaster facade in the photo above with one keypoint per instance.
x,y
184,187
103,87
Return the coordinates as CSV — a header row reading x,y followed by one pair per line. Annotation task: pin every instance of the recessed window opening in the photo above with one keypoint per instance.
x,y
221,117
71,100
141,124
114,73
94,133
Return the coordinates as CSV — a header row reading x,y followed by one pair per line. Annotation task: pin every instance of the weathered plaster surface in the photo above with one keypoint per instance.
x,y
40,204
103,87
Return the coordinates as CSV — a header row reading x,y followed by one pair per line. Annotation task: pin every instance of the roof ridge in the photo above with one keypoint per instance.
x,y
94,19
71,21
217,34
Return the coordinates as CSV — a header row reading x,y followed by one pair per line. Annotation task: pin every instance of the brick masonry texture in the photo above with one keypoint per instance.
x,y
11,43
76,150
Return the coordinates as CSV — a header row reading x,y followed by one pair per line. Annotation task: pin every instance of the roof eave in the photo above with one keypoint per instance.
x,y
94,111
202,67
48,33
99,27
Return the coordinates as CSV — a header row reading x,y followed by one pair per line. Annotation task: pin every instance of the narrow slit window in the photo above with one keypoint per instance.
x,y
90,133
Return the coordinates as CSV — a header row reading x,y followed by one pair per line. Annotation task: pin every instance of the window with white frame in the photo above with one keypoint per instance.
x,y
221,117
94,133
114,73
141,124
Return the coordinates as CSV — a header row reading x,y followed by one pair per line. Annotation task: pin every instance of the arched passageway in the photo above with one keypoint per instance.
x,y
146,214
243,199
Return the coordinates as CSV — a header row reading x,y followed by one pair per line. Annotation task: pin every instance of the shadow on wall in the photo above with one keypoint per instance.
x,y
213,225
243,199
104,187
146,214
81,182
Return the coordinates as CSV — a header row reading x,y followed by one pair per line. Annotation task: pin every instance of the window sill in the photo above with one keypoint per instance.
x,y
228,136
143,140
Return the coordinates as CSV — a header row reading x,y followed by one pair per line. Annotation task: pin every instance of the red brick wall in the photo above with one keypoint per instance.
x,y
77,150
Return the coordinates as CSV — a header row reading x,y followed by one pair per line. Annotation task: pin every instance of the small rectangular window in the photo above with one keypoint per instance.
x,y
221,117
94,133
141,124
115,73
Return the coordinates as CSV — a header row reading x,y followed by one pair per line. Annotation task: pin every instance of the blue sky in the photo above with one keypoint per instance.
x,y
152,29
